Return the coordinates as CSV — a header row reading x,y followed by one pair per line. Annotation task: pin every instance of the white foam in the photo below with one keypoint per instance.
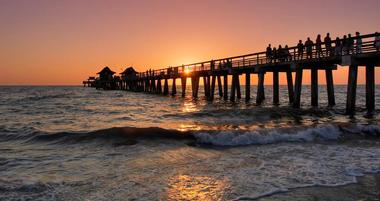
x,y
230,138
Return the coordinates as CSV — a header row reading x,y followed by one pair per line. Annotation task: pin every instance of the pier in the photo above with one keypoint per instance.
x,y
216,73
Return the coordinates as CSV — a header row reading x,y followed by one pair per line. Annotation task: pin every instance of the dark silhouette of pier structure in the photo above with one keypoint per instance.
x,y
215,75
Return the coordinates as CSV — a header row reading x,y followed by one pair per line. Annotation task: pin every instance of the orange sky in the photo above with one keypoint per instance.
x,y
55,42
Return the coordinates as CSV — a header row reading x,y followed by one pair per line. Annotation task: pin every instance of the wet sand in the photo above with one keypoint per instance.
x,y
367,188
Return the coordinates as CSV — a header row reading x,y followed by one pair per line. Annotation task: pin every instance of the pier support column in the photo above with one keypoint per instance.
x,y
314,87
237,86
153,90
159,87
174,87
247,87
212,90
330,87
260,89
183,84
351,89
233,88
275,88
370,88
206,85
166,87
289,79
195,85
220,87
147,85
298,88
225,86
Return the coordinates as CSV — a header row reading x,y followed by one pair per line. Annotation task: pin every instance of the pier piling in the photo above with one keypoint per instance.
x,y
260,89
330,87
275,88
314,87
370,88
183,84
247,87
289,79
298,88
351,89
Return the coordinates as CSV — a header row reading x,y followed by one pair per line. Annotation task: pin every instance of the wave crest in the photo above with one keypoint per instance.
x,y
321,132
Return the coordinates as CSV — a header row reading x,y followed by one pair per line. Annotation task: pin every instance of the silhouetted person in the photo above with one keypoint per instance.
x,y
309,48
318,46
328,45
280,53
338,47
288,56
345,45
275,54
350,44
269,53
229,65
377,41
300,49
359,43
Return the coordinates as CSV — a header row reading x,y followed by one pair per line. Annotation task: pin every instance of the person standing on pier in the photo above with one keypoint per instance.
x,y
327,41
269,53
280,53
338,47
288,56
359,43
309,48
275,54
220,65
318,46
377,41
345,45
300,49
350,44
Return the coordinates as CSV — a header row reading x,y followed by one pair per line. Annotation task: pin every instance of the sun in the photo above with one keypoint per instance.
x,y
187,71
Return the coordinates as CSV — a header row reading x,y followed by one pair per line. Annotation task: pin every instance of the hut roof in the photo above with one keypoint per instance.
x,y
106,70
129,71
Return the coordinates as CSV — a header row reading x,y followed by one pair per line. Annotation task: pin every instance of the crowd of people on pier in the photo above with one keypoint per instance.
x,y
347,45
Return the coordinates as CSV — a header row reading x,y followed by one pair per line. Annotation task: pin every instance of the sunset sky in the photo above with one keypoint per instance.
x,y
62,42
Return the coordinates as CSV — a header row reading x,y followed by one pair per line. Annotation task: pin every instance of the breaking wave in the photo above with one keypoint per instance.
x,y
327,132
130,135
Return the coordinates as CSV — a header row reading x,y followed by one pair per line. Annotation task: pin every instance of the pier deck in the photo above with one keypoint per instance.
x,y
214,71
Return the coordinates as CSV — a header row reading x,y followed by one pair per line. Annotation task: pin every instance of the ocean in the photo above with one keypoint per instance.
x,y
76,143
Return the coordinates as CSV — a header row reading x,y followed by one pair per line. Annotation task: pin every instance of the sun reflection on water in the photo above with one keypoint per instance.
x,y
189,106
186,187
189,127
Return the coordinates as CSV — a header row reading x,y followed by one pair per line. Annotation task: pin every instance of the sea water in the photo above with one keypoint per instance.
x,y
75,143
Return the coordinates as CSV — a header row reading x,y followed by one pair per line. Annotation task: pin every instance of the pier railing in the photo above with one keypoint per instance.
x,y
261,58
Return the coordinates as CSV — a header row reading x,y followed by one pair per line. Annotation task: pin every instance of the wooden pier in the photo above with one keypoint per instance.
x,y
214,71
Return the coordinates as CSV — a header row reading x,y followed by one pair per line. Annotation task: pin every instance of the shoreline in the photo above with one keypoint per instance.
x,y
367,187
